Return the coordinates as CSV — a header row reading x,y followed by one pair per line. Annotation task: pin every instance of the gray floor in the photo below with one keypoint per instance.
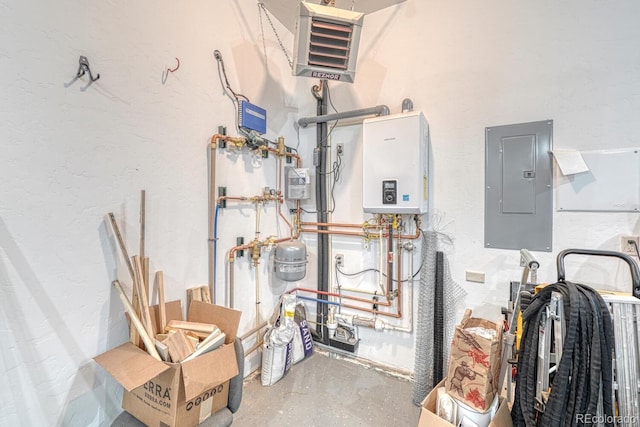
x,y
324,391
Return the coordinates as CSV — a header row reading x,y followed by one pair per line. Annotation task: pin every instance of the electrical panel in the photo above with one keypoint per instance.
x,y
396,164
518,195
297,183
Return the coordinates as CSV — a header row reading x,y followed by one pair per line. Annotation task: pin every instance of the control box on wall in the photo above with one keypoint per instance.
x,y
395,164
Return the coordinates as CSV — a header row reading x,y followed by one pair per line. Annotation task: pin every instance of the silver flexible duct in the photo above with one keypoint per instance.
x,y
453,296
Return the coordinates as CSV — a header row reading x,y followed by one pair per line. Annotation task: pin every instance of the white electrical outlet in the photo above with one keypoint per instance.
x,y
629,245
475,276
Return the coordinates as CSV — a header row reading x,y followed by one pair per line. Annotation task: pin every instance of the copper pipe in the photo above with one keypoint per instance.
x,y
285,154
341,233
253,348
231,282
252,331
397,315
229,198
258,316
399,265
349,297
232,258
254,199
351,233
280,192
236,140
336,224
389,259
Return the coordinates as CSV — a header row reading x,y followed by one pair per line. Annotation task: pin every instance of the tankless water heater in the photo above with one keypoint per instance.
x,y
395,164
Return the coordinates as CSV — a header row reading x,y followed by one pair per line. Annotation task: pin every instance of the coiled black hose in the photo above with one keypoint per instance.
x,y
585,371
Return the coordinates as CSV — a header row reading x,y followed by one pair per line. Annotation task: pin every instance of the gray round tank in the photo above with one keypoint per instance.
x,y
291,261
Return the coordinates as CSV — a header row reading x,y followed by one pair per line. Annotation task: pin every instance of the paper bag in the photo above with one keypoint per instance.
x,y
474,362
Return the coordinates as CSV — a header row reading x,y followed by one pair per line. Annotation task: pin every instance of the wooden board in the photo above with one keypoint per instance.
x,y
161,304
193,294
173,310
180,347
206,295
142,294
207,328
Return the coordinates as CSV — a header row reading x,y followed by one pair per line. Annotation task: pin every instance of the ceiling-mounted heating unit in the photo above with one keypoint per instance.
x,y
326,44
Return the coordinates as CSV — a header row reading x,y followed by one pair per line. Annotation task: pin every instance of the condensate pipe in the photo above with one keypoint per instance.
x,y
379,110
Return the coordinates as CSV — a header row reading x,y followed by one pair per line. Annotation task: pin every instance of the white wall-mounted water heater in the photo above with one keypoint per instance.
x,y
396,164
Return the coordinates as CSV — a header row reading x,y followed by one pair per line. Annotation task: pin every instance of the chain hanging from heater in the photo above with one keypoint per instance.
x,y
262,9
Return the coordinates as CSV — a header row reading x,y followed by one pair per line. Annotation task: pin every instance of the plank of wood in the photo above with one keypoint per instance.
x,y
210,337
179,346
144,301
123,248
206,295
163,350
194,337
145,274
135,301
191,326
142,222
161,304
193,294
197,335
173,310
210,346
148,342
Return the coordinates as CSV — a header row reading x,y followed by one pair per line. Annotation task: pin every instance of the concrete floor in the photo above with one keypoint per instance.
x,y
328,391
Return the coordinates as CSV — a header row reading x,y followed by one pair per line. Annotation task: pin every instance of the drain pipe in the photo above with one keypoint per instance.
x,y
379,110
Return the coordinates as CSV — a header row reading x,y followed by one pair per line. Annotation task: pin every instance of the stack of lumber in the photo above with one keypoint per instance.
x,y
176,341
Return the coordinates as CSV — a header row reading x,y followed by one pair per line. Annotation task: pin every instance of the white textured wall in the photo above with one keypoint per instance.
x,y
70,156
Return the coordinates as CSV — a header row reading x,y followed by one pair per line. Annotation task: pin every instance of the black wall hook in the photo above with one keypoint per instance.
x,y
84,66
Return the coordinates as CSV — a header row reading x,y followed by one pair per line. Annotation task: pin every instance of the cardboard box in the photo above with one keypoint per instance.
x,y
428,417
177,394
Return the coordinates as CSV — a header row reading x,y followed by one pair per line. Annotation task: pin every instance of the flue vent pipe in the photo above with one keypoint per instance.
x,y
379,110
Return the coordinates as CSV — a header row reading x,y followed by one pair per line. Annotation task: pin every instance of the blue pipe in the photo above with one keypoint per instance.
x,y
319,300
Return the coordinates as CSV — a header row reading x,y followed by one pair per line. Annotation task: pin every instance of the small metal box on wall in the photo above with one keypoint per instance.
x,y
518,186
395,164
